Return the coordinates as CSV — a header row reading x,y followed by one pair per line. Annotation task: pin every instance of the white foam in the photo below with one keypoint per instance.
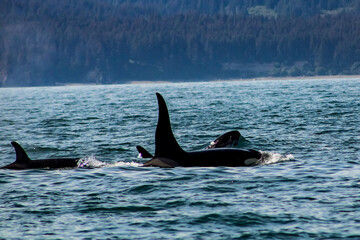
x,y
90,162
126,164
270,158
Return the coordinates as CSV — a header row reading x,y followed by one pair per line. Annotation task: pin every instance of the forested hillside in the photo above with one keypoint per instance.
x,y
48,42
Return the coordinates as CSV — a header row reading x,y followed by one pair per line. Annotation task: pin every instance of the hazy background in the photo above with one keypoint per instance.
x,y
48,42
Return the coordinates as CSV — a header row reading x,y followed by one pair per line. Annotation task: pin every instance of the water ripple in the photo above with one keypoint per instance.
x,y
307,186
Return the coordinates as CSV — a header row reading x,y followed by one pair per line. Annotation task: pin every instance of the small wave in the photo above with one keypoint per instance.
x,y
90,162
126,164
270,158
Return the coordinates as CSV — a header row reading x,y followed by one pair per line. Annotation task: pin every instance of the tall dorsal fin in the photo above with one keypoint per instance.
x,y
21,156
165,142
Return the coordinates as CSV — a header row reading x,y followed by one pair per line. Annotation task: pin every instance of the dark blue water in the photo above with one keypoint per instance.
x,y
309,187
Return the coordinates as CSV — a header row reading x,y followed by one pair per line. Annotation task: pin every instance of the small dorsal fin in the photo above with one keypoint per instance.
x,y
21,156
165,143
143,152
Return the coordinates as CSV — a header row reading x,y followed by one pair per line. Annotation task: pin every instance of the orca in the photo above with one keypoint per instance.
x,y
24,162
143,153
168,152
227,140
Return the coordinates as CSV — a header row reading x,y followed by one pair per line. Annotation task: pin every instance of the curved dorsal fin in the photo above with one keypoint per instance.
x,y
21,156
143,152
165,142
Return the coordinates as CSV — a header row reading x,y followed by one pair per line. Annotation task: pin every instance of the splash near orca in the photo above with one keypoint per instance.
x,y
24,162
168,152
227,140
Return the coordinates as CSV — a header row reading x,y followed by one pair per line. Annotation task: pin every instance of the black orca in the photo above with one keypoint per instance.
x,y
24,162
143,152
228,139
168,153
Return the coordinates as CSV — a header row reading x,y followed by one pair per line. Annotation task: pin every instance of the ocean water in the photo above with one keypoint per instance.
x,y
308,188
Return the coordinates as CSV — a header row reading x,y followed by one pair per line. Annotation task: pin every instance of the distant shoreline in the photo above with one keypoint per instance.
x,y
270,78
253,79
307,77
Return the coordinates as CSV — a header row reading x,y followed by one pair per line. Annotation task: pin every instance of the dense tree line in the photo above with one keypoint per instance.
x,y
45,42
135,8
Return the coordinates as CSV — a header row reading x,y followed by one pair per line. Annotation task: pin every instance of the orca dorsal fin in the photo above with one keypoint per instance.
x,y
165,142
21,156
143,152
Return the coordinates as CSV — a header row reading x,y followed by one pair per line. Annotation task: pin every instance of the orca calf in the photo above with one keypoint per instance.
x,y
168,153
143,152
227,140
24,162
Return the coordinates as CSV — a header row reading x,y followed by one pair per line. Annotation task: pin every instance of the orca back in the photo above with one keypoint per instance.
x,y
24,162
229,139
168,153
